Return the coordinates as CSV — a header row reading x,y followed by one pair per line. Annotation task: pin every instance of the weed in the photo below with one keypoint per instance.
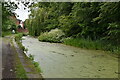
x,y
36,64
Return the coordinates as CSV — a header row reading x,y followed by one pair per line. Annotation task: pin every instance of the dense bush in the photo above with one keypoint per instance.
x,y
18,39
54,35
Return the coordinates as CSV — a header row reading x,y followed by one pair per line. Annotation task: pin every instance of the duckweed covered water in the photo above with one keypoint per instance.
x,y
62,61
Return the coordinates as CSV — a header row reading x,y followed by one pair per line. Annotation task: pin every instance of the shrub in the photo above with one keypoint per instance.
x,y
31,57
18,37
36,64
54,35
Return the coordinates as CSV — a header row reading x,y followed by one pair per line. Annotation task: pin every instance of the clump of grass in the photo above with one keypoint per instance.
x,y
31,57
20,72
26,50
36,64
18,39
89,44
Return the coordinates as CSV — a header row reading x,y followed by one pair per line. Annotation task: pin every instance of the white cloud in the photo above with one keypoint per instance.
x,y
23,13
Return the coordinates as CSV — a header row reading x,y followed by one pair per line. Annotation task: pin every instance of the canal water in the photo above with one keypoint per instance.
x,y
62,61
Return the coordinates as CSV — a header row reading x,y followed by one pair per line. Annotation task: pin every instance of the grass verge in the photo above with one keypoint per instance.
x,y
18,39
5,33
20,72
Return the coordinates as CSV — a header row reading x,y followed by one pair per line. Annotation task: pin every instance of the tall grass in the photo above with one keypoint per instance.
x,y
89,44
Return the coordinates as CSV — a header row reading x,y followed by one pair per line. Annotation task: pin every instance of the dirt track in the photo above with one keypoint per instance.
x,y
8,69
9,52
0,58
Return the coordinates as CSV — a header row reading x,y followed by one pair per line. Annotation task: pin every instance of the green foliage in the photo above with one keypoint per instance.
x,y
31,57
89,44
20,72
114,33
26,50
54,35
6,33
7,11
83,43
36,64
18,39
91,21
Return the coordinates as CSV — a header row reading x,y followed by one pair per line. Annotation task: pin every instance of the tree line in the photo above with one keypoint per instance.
x,y
91,21
88,20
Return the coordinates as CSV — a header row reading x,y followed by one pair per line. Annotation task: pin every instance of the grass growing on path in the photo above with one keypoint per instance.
x,y
20,72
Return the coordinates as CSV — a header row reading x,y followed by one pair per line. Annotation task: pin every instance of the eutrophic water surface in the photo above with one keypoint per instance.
x,y
62,61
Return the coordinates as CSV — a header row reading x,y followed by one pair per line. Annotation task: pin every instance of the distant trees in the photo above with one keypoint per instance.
x,y
7,8
77,19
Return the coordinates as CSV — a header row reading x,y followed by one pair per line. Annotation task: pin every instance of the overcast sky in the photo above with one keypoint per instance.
x,y
23,13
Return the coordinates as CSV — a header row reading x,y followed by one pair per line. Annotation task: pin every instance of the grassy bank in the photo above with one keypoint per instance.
x,y
18,38
89,44
5,33
56,35
20,72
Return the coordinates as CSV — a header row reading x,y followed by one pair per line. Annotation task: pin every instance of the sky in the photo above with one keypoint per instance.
x,y
23,13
